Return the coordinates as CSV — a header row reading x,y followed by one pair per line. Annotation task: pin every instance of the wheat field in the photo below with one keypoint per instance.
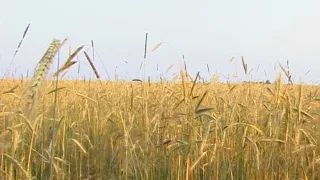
x,y
179,129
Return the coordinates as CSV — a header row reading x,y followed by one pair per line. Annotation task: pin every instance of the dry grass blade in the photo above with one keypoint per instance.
x,y
11,90
270,91
138,80
75,53
27,122
79,146
69,61
206,115
208,68
244,65
58,89
197,161
169,68
61,160
250,71
304,113
178,104
86,97
308,136
232,88
200,101
92,66
66,66
307,72
202,110
157,46
194,83
272,140
141,65
245,124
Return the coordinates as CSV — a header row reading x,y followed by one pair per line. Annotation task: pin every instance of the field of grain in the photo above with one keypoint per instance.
x,y
167,130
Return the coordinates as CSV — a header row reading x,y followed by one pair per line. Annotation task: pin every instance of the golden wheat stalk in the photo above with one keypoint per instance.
x,y
40,71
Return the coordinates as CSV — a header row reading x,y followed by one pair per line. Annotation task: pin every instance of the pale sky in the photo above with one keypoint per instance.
x,y
204,31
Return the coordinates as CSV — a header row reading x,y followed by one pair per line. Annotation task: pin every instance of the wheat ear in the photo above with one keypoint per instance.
x,y
40,71
91,65
69,61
